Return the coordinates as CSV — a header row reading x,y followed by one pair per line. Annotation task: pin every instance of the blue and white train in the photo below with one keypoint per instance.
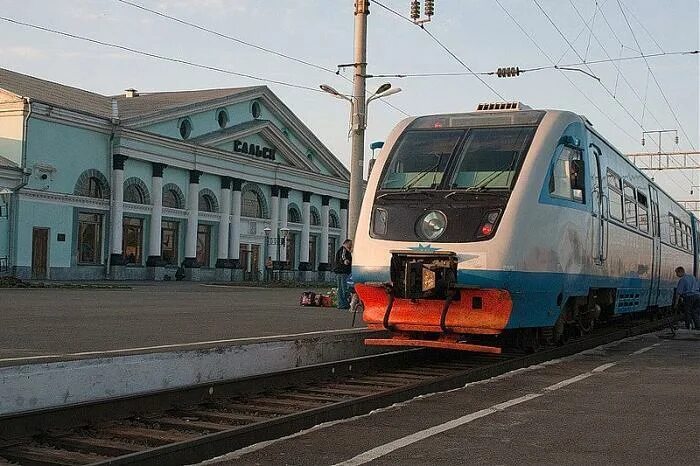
x,y
511,224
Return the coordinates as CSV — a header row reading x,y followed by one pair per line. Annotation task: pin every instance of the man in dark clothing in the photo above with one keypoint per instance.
x,y
687,291
343,267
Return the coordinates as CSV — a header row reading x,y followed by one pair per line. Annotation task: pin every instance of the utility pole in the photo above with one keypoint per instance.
x,y
357,156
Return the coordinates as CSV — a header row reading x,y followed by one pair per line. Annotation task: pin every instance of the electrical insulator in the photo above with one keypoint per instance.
x,y
676,139
642,141
508,72
415,10
429,8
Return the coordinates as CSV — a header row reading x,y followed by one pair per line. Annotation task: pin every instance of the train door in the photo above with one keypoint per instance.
x,y
600,225
656,248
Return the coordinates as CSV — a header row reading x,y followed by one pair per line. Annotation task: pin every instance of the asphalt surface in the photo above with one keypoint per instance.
x,y
641,410
36,322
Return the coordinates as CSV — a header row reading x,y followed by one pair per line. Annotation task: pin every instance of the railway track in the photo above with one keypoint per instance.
x,y
190,425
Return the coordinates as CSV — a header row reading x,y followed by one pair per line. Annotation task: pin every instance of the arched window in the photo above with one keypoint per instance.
x,y
92,183
135,191
207,201
293,214
252,206
315,217
253,202
173,197
333,221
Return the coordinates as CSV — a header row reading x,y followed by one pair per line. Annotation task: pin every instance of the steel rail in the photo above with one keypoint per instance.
x,y
299,399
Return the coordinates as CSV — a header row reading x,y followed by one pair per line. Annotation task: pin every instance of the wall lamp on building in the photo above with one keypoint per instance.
x,y
279,241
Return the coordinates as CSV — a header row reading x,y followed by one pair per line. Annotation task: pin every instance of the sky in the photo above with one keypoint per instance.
x,y
622,101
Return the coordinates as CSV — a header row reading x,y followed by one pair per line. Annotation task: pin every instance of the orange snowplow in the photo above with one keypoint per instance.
x,y
436,323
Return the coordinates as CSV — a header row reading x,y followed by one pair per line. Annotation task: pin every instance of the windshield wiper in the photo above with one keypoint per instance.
x,y
483,183
420,175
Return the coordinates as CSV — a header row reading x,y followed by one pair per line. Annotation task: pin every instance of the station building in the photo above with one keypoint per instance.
x,y
134,186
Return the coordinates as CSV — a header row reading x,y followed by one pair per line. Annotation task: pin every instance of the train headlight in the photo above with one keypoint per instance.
x,y
432,225
379,221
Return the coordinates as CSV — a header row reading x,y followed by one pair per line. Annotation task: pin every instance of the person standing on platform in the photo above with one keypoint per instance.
x,y
687,291
268,268
343,267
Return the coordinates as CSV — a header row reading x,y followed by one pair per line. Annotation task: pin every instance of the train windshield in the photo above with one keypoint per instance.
x,y
457,158
421,159
490,157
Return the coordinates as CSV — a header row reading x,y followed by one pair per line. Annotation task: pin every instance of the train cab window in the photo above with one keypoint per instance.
x,y
420,159
564,169
491,157
630,205
614,195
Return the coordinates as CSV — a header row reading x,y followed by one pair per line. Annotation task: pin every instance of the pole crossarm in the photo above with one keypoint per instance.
x,y
686,160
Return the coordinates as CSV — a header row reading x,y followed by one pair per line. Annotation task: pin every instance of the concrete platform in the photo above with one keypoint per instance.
x,y
37,323
634,402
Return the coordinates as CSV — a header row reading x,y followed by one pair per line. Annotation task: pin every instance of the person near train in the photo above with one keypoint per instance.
x,y
342,269
689,296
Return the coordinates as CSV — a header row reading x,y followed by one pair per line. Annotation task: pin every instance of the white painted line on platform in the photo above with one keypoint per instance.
x,y
383,450
175,345
644,350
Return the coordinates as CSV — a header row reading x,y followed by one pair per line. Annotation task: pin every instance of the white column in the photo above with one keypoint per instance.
x,y
325,217
117,214
305,232
234,242
155,240
225,222
192,219
283,212
274,220
343,220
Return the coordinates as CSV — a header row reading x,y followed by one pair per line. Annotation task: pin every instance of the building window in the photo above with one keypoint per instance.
x,y
255,110
132,240
168,246
89,238
333,221
173,197
222,118
134,194
92,183
294,216
207,201
94,188
185,128
203,244
252,207
315,217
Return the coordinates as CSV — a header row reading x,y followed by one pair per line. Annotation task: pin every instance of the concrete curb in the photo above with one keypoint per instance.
x,y
29,387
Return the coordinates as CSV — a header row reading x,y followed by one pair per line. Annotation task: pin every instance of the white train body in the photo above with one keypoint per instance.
x,y
553,253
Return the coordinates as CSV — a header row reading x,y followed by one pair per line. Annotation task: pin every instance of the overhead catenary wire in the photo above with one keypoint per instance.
x,y
634,36
247,44
157,56
445,48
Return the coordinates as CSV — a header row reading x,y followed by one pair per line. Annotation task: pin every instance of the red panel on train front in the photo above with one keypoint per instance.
x,y
423,315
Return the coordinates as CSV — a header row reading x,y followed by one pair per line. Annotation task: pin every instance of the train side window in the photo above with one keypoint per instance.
x,y
643,219
671,230
689,235
614,195
630,205
567,167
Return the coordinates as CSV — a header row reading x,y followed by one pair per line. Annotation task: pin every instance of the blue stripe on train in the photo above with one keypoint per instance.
x,y
535,294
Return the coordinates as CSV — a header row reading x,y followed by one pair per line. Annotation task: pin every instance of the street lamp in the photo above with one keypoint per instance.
x,y
358,112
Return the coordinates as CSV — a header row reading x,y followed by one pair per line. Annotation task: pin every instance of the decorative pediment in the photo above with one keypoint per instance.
x,y
260,139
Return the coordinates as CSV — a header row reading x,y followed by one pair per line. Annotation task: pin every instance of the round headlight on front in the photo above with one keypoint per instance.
x,y
432,225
